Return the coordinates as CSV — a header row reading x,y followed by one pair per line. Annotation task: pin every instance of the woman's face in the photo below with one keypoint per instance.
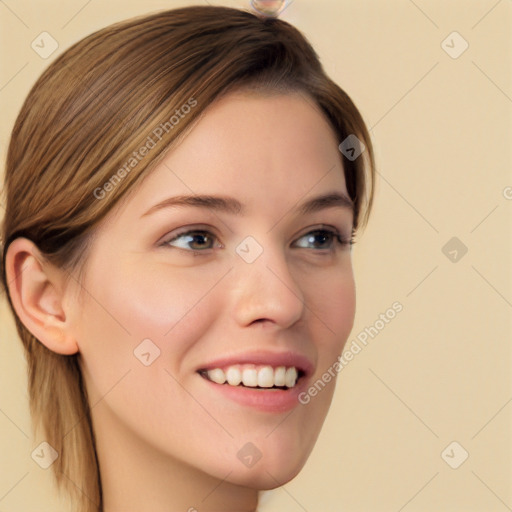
x,y
244,281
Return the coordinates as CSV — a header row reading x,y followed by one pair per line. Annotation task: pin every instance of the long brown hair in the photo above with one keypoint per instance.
x,y
70,161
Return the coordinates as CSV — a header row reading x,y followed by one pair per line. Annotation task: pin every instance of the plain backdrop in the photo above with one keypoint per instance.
x,y
434,383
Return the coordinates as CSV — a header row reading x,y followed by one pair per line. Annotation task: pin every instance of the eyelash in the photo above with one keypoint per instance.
x,y
338,239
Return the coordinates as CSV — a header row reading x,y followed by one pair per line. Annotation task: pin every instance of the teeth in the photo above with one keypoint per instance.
x,y
250,377
253,376
234,376
217,375
279,376
266,377
290,378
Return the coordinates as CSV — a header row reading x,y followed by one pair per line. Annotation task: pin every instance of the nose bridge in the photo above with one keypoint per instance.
x,y
265,288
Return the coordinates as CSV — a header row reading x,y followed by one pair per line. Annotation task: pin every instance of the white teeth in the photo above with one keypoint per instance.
x,y
279,376
253,376
234,376
217,375
266,377
250,377
290,378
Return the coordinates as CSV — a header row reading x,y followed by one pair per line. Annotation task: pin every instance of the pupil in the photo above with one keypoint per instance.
x,y
199,239
320,237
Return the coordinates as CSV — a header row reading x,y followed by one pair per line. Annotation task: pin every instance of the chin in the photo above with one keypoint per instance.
x,y
274,468
266,477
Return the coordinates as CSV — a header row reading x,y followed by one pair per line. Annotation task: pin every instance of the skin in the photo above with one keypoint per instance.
x,y
166,440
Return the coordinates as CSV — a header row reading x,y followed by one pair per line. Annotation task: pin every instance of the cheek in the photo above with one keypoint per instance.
x,y
331,303
123,307
342,305
331,300
174,309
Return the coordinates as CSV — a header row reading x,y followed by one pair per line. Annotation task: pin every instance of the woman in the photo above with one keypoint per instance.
x,y
182,192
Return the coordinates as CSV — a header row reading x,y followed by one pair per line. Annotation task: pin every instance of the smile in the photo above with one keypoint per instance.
x,y
254,376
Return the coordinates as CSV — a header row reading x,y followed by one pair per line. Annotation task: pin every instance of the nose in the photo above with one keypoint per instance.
x,y
266,291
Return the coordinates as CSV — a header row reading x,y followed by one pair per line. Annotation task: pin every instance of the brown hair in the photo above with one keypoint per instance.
x,y
83,119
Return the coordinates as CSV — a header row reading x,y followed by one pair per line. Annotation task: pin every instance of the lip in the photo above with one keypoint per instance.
x,y
264,400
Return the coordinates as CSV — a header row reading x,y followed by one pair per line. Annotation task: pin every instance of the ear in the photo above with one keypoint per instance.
x,y
37,292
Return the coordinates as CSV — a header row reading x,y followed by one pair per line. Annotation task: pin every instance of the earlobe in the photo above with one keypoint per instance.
x,y
37,292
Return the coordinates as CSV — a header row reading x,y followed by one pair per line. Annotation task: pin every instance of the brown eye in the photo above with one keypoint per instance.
x,y
196,240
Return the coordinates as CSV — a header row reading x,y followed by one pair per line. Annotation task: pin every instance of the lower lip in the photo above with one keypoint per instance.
x,y
271,400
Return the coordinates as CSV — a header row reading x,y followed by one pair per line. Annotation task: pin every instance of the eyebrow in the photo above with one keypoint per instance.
x,y
233,206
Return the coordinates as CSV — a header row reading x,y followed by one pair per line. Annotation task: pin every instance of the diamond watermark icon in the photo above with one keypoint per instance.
x,y
351,147
249,455
454,249
454,45
44,455
44,45
146,352
249,249
454,455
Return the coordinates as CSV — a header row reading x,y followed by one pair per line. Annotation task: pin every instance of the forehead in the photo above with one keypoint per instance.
x,y
270,131
264,149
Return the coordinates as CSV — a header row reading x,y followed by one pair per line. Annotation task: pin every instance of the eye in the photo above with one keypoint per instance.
x,y
322,239
198,241
194,240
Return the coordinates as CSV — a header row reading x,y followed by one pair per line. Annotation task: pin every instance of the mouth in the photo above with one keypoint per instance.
x,y
262,380
255,376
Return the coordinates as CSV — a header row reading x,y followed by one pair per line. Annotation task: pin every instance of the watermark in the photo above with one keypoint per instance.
x,y
249,249
454,249
249,455
352,147
151,141
349,353
454,45
44,45
454,455
146,352
44,455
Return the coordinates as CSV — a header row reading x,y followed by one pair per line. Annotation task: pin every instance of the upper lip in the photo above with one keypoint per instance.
x,y
260,357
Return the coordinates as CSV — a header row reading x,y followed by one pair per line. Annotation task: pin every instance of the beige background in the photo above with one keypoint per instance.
x,y
440,371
